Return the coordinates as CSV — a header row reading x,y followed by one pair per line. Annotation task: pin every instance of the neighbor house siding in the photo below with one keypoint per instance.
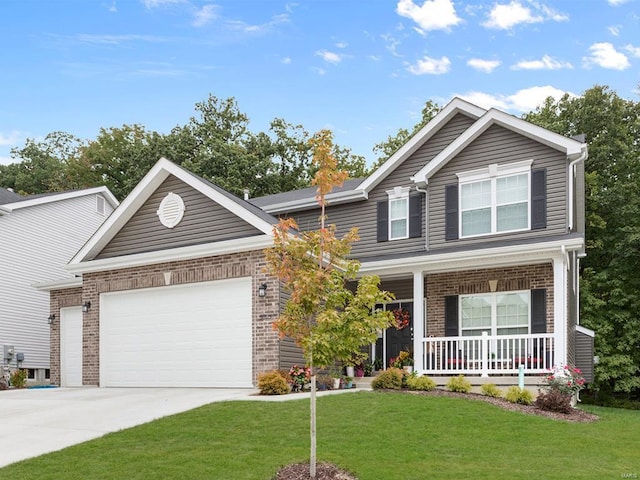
x,y
36,243
363,214
204,221
502,146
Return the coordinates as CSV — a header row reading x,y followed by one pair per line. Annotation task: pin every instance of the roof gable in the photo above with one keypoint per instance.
x,y
35,200
570,147
253,216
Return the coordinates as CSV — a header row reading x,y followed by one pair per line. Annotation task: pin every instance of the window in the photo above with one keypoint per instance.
x,y
505,313
398,213
495,199
31,373
100,208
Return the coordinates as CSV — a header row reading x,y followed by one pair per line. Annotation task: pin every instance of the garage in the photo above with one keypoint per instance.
x,y
193,335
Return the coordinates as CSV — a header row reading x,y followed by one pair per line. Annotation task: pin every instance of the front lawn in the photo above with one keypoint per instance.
x,y
374,435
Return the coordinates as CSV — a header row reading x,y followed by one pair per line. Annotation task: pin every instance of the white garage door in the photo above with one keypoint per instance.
x,y
196,335
71,347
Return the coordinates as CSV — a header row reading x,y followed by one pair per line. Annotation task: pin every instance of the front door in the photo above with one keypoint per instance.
x,y
399,337
71,347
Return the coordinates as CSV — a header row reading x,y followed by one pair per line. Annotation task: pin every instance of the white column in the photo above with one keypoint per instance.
x,y
560,308
418,321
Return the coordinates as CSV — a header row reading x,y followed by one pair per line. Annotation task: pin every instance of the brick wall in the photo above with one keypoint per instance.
x,y
70,297
467,282
264,310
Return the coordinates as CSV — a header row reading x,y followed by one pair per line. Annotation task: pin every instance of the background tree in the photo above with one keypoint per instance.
x,y
326,319
610,286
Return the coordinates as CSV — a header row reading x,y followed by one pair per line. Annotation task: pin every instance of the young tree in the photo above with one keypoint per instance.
x,y
327,320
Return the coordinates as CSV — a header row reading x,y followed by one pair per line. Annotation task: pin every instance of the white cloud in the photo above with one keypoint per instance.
x,y
161,3
508,15
258,29
606,56
546,63
10,139
205,15
330,57
432,15
286,60
615,3
486,66
6,160
635,51
521,101
342,45
431,66
614,30
115,39
391,44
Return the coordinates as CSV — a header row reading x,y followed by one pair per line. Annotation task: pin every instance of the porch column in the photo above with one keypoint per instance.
x,y
418,321
560,308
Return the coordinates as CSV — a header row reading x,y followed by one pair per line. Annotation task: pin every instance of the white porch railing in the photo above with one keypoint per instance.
x,y
487,355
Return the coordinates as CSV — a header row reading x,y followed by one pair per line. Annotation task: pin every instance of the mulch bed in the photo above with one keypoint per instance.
x,y
324,471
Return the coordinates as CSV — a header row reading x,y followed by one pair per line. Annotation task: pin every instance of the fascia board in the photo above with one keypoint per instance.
x,y
72,282
173,255
307,203
62,196
566,145
463,260
457,105
585,331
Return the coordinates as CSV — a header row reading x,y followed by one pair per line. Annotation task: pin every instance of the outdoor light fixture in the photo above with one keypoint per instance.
x,y
86,306
51,318
262,290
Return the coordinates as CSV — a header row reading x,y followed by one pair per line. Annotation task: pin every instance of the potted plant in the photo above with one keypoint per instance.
x,y
324,382
404,361
336,381
348,382
368,368
299,376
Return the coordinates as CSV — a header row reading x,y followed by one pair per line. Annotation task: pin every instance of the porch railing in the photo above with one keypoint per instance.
x,y
487,354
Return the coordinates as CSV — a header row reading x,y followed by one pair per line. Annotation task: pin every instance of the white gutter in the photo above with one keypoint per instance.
x,y
571,175
61,284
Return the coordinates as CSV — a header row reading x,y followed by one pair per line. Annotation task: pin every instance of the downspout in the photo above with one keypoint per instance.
x,y
426,217
571,174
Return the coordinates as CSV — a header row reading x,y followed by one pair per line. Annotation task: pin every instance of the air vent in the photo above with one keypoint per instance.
x,y
171,210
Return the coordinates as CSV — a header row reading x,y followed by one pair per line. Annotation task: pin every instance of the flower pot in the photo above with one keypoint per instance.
x,y
408,368
350,372
336,383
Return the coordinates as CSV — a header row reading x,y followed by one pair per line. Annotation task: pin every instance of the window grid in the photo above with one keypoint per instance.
x,y
505,313
398,218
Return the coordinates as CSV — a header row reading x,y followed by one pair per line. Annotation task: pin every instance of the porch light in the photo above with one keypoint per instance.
x,y
262,290
86,306
51,318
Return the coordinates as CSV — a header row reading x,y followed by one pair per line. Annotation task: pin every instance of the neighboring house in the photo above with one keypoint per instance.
x,y
38,236
476,225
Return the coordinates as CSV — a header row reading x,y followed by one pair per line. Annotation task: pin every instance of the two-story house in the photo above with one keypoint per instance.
x,y
476,225
38,236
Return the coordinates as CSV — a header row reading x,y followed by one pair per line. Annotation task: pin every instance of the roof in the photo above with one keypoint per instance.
x,y
8,196
46,198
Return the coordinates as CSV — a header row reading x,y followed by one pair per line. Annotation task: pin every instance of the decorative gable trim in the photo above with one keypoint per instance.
x,y
570,147
147,186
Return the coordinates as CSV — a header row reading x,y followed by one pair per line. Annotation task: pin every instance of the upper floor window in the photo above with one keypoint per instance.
x,y
400,215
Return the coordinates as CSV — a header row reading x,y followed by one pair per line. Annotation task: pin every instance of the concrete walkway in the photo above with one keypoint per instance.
x,y
38,421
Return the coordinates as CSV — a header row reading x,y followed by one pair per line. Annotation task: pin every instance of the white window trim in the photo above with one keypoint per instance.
x,y
399,193
494,310
101,205
492,173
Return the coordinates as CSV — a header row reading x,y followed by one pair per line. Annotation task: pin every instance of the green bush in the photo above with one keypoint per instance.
x,y
555,401
421,383
391,378
516,395
272,383
490,390
459,384
19,378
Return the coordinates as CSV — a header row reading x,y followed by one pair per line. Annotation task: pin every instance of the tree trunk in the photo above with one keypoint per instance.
x,y
312,461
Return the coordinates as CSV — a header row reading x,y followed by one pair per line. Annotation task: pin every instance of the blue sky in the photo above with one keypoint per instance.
x,y
361,68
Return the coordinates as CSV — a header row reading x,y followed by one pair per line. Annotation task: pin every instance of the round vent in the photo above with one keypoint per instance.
x,y
171,210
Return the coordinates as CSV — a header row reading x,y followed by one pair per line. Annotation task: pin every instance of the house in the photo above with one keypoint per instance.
x,y
476,225
38,236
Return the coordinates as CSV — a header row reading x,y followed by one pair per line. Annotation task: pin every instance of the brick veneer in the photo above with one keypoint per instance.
x,y
70,297
264,310
526,277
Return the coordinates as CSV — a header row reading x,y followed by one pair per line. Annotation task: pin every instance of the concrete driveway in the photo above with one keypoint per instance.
x,y
37,421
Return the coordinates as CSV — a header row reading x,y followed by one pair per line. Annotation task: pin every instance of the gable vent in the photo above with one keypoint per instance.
x,y
171,210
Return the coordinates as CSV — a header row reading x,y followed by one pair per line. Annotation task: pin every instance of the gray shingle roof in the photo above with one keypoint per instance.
x,y
7,196
302,194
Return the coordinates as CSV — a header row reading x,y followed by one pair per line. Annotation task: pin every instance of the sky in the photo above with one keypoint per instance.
x,y
362,68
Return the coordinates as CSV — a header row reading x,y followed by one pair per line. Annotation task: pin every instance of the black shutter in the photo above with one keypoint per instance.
x,y
539,199
383,221
451,316
539,310
415,214
451,212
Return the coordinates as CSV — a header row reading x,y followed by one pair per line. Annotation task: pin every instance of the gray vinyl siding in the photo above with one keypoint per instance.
x,y
290,354
401,288
500,145
204,221
363,214
35,244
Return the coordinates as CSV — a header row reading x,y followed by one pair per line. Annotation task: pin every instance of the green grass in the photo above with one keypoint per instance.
x,y
374,435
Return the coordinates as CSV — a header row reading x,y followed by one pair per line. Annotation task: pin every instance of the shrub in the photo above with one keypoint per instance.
x,y
272,383
421,383
518,395
4,385
391,378
490,390
459,384
554,401
19,378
